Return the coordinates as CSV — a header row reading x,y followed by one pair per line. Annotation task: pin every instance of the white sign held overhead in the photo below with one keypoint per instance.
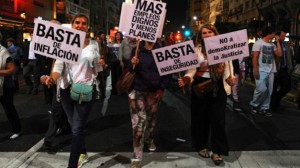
x,y
143,20
227,46
175,58
58,42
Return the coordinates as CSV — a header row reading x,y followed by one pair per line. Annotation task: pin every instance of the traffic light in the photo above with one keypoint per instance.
x,y
187,33
178,36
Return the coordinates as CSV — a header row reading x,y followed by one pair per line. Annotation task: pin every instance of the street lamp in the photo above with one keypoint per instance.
x,y
195,24
183,26
23,14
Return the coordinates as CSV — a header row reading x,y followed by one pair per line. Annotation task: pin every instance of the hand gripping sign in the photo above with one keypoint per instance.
x,y
175,58
58,42
227,46
143,20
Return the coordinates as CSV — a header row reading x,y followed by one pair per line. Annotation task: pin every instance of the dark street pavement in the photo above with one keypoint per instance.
x,y
108,134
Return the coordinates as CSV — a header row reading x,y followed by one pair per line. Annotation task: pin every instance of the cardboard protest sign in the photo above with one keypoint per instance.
x,y
227,46
126,17
143,20
175,58
58,42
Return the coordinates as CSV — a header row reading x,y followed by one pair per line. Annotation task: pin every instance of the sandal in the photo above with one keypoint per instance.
x,y
204,153
217,159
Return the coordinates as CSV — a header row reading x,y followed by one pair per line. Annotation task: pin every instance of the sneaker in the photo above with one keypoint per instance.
x,y
266,112
135,164
83,158
254,110
49,148
14,136
151,146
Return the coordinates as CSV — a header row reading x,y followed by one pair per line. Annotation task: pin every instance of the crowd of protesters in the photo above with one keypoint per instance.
x,y
269,65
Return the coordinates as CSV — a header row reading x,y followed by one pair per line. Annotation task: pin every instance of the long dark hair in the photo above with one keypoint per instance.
x,y
118,32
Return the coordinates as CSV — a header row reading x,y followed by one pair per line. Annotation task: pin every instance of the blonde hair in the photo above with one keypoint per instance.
x,y
199,39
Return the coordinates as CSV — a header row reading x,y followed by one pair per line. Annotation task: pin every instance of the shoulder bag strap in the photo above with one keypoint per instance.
x,y
67,65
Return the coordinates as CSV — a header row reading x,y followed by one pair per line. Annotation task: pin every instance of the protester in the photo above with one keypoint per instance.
x,y
16,54
284,67
105,54
144,99
44,65
125,50
58,123
7,88
102,36
264,52
208,111
85,72
169,39
248,64
115,67
239,73
30,68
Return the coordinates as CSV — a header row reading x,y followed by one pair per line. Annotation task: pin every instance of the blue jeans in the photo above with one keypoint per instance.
x,y
77,116
263,91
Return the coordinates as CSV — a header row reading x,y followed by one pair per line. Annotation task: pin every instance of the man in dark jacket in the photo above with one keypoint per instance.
x,y
30,68
284,66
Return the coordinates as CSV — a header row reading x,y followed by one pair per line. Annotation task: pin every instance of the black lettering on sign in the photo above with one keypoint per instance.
x,y
174,53
149,7
40,30
224,40
58,35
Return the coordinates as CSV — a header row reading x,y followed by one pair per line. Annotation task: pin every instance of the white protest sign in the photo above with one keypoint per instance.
x,y
126,17
175,58
143,20
227,46
58,42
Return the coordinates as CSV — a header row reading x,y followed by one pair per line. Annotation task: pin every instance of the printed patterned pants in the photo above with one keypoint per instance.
x,y
143,108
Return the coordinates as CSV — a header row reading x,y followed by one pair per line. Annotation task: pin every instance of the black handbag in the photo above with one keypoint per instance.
x,y
204,87
210,85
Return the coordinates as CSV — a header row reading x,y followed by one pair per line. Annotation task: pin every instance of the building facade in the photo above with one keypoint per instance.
x,y
105,16
251,14
17,17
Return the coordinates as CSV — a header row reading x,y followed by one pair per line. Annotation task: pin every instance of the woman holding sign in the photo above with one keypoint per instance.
x,y
84,72
208,108
145,98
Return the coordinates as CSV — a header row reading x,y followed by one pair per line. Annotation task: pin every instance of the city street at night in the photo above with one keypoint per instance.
x,y
254,140
149,83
